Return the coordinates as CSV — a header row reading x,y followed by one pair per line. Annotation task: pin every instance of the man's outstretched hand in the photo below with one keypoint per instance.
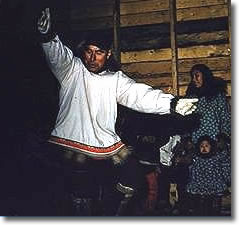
x,y
44,22
186,106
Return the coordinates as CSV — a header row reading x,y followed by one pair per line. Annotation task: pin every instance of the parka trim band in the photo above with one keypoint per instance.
x,y
87,149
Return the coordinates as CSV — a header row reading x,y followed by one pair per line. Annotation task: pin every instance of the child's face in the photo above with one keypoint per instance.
x,y
205,147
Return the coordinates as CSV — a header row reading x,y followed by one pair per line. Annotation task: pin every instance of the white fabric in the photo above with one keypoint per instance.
x,y
166,151
88,101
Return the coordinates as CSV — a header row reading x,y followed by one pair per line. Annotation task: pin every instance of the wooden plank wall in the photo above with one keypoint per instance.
x,y
202,36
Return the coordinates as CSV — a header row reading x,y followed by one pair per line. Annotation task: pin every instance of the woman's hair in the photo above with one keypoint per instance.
x,y
211,85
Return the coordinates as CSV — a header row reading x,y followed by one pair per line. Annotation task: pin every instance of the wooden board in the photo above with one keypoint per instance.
x,y
165,54
164,80
145,69
96,9
198,32
85,19
163,41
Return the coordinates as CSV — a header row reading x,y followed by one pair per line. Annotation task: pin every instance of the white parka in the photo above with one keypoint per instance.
x,y
88,101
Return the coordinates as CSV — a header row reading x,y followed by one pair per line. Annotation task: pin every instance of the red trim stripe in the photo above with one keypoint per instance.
x,y
86,148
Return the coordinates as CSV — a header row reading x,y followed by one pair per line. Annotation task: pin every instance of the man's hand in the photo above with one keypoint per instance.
x,y
44,22
186,106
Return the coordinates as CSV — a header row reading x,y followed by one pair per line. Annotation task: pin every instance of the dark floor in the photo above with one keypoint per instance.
x,y
15,207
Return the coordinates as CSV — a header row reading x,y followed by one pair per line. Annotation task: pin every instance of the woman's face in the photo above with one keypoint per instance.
x,y
197,78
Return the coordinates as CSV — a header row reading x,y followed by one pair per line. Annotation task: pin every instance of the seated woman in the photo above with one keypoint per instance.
x,y
212,105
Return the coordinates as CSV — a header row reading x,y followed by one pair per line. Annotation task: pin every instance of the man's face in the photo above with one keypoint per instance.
x,y
95,58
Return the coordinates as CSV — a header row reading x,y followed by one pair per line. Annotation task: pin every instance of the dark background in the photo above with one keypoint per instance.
x,y
29,94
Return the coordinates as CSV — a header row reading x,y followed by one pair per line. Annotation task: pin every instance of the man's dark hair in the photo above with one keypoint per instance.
x,y
103,41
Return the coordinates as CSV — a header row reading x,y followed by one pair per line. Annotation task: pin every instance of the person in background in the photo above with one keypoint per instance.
x,y
161,148
91,86
210,175
179,173
212,105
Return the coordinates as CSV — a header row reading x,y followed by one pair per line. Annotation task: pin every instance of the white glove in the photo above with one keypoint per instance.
x,y
44,22
186,106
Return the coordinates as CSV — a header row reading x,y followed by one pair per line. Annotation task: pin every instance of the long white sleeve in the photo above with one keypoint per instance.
x,y
60,59
142,97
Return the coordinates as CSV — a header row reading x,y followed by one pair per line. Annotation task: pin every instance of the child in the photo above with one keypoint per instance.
x,y
210,176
